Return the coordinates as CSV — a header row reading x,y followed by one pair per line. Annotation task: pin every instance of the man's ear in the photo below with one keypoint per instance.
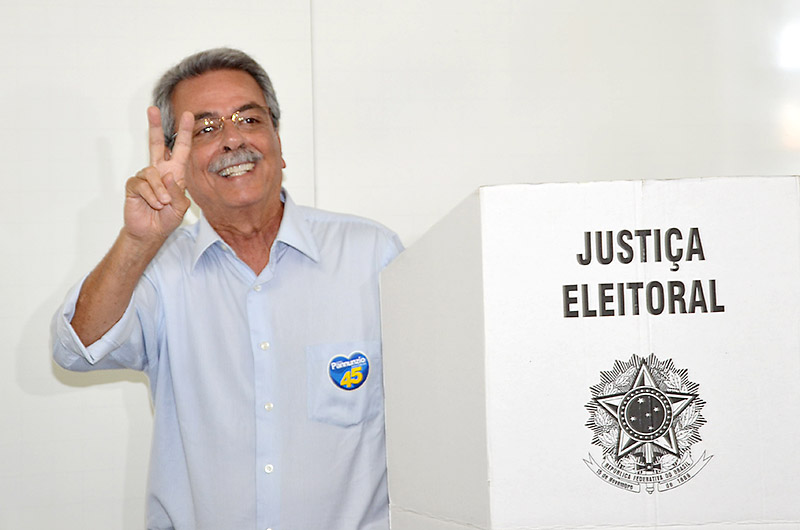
x,y
280,149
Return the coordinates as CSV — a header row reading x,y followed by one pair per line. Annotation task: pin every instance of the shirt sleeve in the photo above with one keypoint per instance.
x,y
392,249
122,346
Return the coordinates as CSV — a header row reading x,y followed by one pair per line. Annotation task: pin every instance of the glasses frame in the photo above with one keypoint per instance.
x,y
233,118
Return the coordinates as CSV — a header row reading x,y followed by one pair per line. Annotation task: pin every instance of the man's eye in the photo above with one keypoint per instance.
x,y
204,130
251,120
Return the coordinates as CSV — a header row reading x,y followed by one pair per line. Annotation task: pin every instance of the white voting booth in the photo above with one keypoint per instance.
x,y
598,355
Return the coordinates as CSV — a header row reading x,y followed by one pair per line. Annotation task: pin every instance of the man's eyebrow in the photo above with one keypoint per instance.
x,y
246,106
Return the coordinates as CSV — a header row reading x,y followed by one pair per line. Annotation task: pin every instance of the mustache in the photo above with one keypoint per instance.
x,y
242,155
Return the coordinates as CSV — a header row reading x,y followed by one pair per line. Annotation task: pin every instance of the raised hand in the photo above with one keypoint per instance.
x,y
155,202
155,199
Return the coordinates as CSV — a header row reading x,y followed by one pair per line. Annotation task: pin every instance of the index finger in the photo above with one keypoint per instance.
x,y
183,139
156,133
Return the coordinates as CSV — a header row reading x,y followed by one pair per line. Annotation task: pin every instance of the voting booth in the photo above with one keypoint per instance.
x,y
598,355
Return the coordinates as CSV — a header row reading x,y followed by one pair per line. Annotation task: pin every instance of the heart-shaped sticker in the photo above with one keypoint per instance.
x,y
349,373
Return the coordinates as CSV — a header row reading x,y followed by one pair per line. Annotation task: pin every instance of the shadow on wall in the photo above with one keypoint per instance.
x,y
71,406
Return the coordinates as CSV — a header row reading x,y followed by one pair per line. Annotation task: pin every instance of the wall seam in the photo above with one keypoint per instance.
x,y
313,105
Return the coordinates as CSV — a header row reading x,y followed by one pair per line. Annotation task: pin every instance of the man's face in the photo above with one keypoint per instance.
x,y
220,191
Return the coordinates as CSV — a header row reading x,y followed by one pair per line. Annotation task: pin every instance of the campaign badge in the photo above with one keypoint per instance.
x,y
349,373
646,415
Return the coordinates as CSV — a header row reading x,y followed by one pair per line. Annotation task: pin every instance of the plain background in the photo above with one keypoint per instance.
x,y
391,110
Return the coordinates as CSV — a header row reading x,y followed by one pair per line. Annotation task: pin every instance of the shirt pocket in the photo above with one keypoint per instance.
x,y
345,382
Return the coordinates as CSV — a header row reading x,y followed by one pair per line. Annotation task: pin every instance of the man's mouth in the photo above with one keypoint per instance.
x,y
235,171
235,163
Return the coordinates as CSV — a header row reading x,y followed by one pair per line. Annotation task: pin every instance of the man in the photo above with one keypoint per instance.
x,y
258,326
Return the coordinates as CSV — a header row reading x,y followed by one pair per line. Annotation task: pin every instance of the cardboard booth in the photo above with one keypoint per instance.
x,y
598,355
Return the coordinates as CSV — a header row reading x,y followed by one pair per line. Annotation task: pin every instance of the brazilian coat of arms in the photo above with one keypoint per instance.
x,y
646,415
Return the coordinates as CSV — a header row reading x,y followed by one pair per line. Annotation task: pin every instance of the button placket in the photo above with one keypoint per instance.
x,y
267,454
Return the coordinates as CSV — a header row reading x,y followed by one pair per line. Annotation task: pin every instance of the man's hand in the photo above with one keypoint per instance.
x,y
155,199
155,203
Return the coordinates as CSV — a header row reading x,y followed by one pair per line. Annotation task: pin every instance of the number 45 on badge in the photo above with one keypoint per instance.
x,y
349,373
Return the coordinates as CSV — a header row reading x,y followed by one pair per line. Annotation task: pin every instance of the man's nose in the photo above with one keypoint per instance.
x,y
232,137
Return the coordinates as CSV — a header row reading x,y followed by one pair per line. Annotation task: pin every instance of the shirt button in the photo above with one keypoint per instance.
x,y
264,345
257,288
269,468
269,407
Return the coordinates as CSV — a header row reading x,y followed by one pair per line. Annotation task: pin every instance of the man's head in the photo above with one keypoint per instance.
x,y
207,61
234,168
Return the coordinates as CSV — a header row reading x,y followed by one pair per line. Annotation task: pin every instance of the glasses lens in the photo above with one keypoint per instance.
x,y
205,128
252,119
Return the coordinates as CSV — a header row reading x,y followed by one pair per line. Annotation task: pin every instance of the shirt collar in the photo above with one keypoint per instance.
x,y
294,231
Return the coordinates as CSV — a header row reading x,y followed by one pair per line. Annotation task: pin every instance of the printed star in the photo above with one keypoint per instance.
x,y
633,434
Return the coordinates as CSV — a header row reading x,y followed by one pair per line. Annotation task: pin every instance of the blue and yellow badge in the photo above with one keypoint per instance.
x,y
349,373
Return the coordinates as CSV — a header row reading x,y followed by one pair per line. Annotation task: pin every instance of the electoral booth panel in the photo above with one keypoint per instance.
x,y
634,363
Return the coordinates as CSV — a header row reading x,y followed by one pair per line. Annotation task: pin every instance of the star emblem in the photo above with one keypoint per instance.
x,y
646,416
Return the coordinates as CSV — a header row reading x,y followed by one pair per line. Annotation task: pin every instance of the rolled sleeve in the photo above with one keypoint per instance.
x,y
117,348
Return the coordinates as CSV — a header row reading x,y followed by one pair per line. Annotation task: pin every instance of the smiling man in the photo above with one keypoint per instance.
x,y
258,326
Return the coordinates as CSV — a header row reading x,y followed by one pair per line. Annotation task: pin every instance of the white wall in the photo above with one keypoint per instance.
x,y
393,110
419,102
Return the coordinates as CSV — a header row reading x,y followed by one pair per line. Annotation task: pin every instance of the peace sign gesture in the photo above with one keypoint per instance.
x,y
155,199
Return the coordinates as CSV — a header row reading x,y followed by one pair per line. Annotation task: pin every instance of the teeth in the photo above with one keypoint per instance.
x,y
235,171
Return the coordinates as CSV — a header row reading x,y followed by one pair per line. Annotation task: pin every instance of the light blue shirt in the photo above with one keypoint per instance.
x,y
267,389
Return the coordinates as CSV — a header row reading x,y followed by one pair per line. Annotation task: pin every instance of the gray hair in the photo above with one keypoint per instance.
x,y
207,61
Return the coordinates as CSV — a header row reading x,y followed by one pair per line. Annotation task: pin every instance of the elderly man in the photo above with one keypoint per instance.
x,y
258,326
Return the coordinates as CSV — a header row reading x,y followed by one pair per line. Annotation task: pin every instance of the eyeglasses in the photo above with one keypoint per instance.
x,y
248,120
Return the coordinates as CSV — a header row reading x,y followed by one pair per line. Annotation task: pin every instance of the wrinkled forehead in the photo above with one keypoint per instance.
x,y
217,93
